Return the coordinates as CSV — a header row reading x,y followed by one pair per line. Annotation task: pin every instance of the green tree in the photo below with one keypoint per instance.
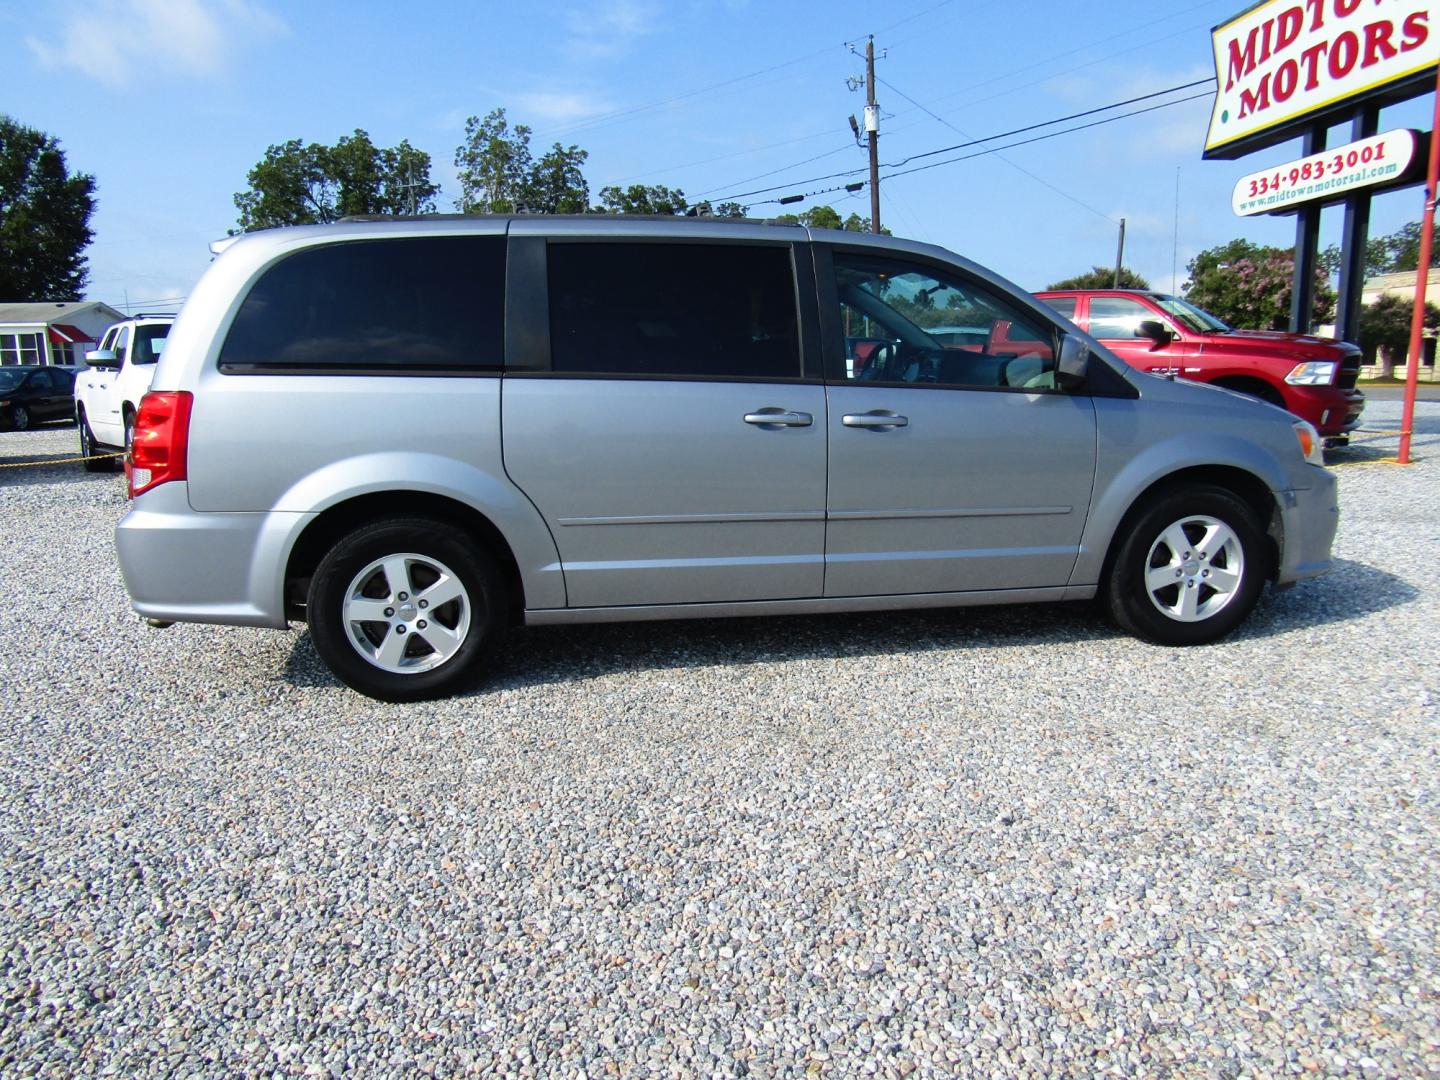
x,y
1101,277
642,199
556,183
724,210
44,218
1392,254
1385,330
495,165
1249,285
827,217
299,183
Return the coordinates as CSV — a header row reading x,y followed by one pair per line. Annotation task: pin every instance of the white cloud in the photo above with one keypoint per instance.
x,y
609,27
557,108
118,42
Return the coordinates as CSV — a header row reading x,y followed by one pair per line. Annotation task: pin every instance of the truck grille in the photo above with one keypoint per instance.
x,y
1349,371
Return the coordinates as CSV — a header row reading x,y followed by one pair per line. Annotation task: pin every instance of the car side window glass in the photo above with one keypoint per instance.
x,y
403,304
1065,305
40,381
914,324
1118,317
673,310
149,341
122,344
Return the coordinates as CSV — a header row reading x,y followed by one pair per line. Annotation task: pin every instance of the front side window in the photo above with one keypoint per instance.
x,y
912,324
122,344
673,310
402,304
1118,317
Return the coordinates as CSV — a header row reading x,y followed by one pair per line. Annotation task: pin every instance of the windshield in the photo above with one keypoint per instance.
x,y
9,380
1197,319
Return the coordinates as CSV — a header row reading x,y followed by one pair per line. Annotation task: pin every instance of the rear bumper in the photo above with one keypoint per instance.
x,y
1333,411
183,566
1309,519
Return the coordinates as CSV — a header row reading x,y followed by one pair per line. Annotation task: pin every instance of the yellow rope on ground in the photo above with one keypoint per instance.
x,y
59,461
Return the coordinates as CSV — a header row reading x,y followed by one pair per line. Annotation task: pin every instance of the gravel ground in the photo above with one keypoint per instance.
x,y
986,842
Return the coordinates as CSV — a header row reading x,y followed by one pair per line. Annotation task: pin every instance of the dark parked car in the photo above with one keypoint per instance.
x,y
31,395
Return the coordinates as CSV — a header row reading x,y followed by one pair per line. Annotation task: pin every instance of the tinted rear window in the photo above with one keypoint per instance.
x,y
1065,305
422,304
686,310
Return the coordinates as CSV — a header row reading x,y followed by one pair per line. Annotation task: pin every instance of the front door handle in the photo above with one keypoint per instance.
x,y
875,420
779,418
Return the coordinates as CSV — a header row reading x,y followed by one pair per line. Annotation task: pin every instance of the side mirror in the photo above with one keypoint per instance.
x,y
102,358
1074,363
1156,331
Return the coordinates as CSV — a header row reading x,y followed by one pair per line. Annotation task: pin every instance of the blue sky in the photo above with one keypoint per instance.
x,y
169,103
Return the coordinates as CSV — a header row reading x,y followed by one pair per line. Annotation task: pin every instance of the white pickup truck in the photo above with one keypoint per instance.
x,y
109,389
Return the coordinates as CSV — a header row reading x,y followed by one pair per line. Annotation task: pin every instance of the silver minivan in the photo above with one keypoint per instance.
x,y
413,433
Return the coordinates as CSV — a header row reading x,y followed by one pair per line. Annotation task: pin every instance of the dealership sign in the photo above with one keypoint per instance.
x,y
1380,159
1285,61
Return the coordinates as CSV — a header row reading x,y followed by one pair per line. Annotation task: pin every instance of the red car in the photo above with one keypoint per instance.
x,y
1312,377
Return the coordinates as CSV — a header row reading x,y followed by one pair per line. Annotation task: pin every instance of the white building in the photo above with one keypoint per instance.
x,y
52,333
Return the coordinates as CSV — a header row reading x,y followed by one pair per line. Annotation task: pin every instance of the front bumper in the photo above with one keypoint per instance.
x,y
1333,411
1308,519
183,566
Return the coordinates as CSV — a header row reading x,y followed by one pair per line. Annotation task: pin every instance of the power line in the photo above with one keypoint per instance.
x,y
1018,168
1051,135
988,138
991,150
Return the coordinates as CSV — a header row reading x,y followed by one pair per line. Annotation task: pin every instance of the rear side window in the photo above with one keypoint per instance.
x,y
414,304
673,310
1065,305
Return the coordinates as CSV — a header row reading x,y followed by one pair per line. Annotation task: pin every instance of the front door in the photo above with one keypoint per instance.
x,y
956,464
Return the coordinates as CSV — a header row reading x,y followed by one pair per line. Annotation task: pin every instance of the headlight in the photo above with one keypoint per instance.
x,y
1311,447
1314,373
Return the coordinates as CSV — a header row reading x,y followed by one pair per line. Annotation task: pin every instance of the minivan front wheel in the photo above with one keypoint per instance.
x,y
1190,569
405,609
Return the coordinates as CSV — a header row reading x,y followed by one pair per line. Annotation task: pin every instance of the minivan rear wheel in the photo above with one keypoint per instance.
x,y
406,609
1190,569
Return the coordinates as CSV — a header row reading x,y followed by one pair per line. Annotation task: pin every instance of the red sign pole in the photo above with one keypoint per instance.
x,y
1417,317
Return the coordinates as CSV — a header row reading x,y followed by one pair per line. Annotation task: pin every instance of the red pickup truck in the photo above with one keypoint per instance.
x,y
1312,377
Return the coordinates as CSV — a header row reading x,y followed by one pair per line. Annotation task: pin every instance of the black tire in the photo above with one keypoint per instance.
x,y
90,462
129,437
348,577
19,418
1216,583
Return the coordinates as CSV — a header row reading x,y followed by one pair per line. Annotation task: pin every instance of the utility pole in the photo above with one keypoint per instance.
x,y
1119,255
872,129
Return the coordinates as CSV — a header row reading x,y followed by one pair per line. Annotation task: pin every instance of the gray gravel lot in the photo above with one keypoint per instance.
x,y
990,842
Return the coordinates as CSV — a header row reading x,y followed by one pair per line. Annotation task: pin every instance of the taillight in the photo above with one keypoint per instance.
x,y
161,440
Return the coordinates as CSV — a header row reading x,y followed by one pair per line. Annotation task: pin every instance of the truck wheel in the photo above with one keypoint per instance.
x,y
406,609
90,462
1190,568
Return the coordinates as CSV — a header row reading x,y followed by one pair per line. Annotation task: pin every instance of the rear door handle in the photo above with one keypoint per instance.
x,y
779,418
875,420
